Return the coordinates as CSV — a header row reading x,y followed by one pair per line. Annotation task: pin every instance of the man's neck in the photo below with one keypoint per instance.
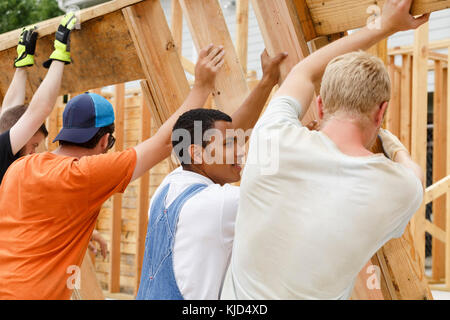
x,y
74,151
348,135
197,170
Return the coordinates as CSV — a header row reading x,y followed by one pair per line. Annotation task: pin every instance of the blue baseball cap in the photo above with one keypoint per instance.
x,y
83,117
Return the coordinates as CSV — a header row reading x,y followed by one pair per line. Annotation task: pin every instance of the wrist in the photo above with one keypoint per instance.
x,y
203,87
268,82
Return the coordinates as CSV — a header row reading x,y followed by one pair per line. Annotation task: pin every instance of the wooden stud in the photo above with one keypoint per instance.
x,y
207,25
439,166
393,112
158,56
447,218
280,17
52,125
242,7
405,110
116,221
143,204
89,286
177,25
419,115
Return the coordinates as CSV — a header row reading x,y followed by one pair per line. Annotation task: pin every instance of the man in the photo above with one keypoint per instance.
x,y
22,128
305,231
197,201
49,202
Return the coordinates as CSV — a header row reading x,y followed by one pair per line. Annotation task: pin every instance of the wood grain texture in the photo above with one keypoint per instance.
x,y
166,80
207,25
102,52
331,16
280,17
419,114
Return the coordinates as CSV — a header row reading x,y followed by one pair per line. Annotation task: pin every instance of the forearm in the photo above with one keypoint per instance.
x,y
157,148
196,99
40,107
314,65
45,97
16,92
402,157
303,78
248,113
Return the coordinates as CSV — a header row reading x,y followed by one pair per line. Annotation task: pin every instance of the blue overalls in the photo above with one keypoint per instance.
x,y
157,277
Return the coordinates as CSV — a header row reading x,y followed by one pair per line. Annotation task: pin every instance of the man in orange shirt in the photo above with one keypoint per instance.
x,y
49,202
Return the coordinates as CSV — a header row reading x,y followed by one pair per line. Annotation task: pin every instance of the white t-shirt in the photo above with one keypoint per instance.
x,y
306,229
204,234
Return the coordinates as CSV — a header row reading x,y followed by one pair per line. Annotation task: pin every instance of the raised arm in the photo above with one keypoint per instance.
x,y
44,99
248,113
300,82
158,147
15,95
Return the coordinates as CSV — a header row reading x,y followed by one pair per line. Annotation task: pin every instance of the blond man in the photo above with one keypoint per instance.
x,y
305,229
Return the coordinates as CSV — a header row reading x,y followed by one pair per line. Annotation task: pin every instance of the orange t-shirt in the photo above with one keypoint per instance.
x,y
48,209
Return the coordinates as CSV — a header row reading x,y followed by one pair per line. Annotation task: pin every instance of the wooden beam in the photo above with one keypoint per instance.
x,y
102,51
435,45
188,65
435,231
242,7
280,17
380,50
402,267
116,221
405,110
48,27
437,56
333,16
143,204
158,57
207,25
52,124
447,200
158,115
393,113
439,166
177,25
89,287
305,19
419,116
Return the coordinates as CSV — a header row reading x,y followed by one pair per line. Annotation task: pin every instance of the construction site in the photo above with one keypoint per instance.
x,y
140,55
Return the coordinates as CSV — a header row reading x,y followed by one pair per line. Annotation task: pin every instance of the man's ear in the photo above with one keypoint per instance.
x,y
320,106
379,114
196,154
103,143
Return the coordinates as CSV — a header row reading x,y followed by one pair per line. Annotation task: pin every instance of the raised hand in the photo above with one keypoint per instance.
x,y
396,16
26,47
271,67
210,60
62,40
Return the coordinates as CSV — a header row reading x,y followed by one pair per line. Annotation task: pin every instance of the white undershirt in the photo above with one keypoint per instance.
x,y
305,230
204,234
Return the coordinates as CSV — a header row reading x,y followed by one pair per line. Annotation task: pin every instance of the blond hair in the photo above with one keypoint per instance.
x,y
354,84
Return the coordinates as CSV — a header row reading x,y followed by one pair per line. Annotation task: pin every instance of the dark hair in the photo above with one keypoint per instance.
x,y
93,141
12,115
206,117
